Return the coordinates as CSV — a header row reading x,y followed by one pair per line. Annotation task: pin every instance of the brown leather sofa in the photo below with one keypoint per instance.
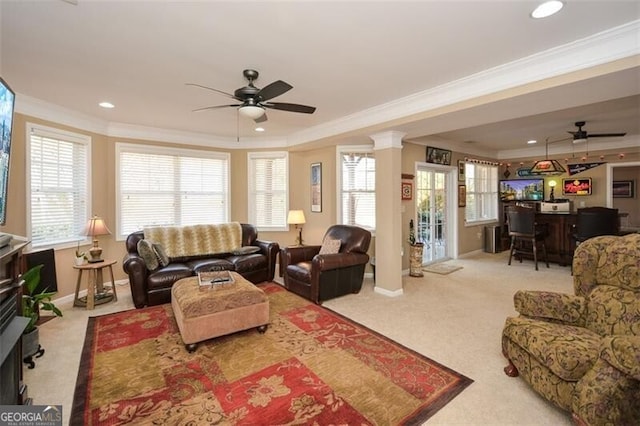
x,y
320,277
154,287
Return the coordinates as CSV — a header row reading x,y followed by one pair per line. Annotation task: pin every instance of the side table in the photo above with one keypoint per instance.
x,y
97,292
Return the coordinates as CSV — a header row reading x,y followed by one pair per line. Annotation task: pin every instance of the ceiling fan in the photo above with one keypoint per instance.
x,y
253,101
582,135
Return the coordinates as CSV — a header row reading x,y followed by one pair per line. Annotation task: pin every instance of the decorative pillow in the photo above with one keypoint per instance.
x,y
330,246
163,259
146,252
245,250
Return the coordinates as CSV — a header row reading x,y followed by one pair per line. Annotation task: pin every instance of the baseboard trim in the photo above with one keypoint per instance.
x,y
388,293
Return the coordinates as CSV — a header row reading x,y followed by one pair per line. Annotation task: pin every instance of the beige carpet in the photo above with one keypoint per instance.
x,y
456,319
443,268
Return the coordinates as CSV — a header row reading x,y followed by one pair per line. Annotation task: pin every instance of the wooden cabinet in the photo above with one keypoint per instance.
x,y
558,242
12,390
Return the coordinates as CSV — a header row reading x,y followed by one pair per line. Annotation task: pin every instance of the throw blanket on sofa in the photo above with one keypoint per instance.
x,y
196,240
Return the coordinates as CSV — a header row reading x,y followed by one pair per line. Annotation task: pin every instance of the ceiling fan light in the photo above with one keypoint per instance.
x,y
579,140
252,111
547,167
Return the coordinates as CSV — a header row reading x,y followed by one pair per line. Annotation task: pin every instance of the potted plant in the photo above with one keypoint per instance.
x,y
415,253
32,304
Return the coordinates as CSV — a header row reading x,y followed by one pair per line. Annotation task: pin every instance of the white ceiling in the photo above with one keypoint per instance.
x,y
353,60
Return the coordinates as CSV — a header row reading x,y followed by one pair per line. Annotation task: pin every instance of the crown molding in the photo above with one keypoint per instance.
x,y
599,49
555,149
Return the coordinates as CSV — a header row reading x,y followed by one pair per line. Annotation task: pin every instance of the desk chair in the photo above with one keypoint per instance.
x,y
523,230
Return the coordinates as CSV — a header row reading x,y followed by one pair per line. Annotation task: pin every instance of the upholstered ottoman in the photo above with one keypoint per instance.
x,y
205,312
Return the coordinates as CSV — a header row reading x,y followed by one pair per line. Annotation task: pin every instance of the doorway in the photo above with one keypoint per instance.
x,y
434,212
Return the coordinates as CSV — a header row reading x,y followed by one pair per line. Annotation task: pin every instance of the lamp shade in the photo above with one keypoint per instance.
x,y
252,111
547,167
96,226
296,217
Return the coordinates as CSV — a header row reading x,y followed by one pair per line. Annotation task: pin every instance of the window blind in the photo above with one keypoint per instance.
x,y
161,186
358,189
58,180
482,192
268,190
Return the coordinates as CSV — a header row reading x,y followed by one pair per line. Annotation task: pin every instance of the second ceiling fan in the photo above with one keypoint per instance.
x,y
252,101
582,135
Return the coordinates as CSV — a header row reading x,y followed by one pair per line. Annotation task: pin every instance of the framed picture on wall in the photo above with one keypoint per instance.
x,y
407,190
461,165
462,196
623,188
316,187
576,186
438,156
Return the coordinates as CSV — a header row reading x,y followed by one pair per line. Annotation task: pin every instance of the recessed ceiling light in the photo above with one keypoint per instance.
x,y
547,8
259,129
106,105
532,141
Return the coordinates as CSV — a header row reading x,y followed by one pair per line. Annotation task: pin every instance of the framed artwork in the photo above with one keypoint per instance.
x,y
623,189
461,164
438,156
407,190
316,187
576,186
462,195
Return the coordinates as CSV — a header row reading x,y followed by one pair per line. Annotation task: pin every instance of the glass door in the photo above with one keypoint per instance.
x,y
432,215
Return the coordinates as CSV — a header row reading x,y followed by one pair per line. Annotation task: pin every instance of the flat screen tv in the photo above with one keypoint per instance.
x,y
7,102
522,190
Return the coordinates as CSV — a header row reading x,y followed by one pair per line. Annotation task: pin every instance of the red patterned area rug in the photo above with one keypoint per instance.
x,y
312,366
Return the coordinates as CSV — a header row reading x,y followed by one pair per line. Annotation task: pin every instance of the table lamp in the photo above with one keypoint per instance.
x,y
552,184
296,217
95,227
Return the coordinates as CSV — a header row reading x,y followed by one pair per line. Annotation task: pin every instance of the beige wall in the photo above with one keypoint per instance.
x,y
631,206
103,194
468,239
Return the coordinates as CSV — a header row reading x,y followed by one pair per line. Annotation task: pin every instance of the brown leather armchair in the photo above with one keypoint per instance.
x,y
320,277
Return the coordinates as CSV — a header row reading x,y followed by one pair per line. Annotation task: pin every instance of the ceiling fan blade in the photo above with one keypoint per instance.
x,y
261,119
305,109
606,135
274,89
216,107
215,90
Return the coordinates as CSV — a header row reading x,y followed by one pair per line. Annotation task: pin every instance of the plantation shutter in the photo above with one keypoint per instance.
x,y
358,189
171,187
58,181
268,190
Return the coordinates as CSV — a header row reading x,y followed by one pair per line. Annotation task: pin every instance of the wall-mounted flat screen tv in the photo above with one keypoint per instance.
x,y
7,102
522,190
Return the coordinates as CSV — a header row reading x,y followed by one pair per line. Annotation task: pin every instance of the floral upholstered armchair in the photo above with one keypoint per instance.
x,y
582,351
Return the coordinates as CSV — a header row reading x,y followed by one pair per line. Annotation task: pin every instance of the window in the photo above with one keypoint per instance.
x,y
357,187
268,190
58,198
482,193
169,186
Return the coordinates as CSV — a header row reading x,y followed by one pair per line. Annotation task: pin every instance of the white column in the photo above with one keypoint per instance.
x,y
388,240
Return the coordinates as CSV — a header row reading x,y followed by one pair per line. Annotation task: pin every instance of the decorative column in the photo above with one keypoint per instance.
x,y
388,239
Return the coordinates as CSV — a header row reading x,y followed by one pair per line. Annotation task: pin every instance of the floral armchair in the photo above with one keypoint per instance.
x,y
582,351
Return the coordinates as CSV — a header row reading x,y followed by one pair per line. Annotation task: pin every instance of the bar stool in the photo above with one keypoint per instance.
x,y
523,230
